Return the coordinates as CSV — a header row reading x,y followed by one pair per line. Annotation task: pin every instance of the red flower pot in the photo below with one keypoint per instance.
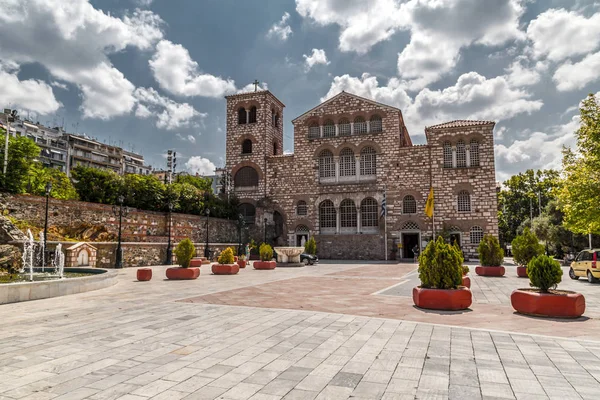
x,y
442,299
522,272
557,305
179,273
265,264
489,271
235,258
225,269
144,274
196,262
242,263
466,281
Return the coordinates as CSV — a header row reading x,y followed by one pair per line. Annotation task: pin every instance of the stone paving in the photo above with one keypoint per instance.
x,y
135,340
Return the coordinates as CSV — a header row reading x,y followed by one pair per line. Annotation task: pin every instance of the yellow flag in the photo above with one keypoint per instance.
x,y
429,204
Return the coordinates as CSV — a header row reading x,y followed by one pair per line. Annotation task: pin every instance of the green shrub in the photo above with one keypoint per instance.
x,y
544,272
310,246
226,256
266,252
525,247
440,266
184,251
490,253
465,269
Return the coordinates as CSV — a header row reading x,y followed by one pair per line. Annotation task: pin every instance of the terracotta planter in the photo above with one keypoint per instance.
x,y
522,272
144,274
442,299
561,305
196,262
225,269
179,273
466,281
489,271
241,263
235,258
264,264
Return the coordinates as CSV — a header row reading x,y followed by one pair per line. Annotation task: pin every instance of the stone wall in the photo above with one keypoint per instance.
x,y
351,247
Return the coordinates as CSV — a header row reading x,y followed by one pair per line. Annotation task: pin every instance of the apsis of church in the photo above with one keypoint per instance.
x,y
351,153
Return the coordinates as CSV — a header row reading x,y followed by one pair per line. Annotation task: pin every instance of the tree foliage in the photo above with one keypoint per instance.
x,y
62,187
310,246
22,153
490,253
544,273
266,252
199,182
184,252
96,185
226,256
440,265
525,247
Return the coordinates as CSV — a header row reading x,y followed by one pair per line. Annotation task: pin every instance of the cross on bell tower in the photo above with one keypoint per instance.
x,y
256,83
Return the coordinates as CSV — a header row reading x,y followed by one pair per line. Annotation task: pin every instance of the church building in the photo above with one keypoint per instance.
x,y
351,153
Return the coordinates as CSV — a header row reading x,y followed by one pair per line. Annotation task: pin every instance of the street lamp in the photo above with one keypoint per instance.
x,y
240,227
169,259
121,212
48,190
206,254
12,117
265,228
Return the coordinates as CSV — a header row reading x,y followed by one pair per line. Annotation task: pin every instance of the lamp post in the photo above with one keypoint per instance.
x,y
169,259
240,227
48,190
121,212
12,117
265,229
206,254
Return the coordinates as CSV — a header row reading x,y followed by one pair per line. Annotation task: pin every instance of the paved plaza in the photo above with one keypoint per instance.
x,y
332,331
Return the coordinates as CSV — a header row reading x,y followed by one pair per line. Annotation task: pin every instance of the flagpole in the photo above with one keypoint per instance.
x,y
385,223
430,189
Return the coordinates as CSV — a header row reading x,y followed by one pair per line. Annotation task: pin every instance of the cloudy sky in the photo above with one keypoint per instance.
x,y
150,75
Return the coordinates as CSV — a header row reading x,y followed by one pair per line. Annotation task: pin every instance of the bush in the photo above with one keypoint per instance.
x,y
266,252
544,272
465,269
440,266
490,253
525,247
310,246
226,256
184,251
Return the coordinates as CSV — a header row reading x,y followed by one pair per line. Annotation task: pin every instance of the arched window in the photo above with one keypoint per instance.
x,y
376,124
313,130
301,208
447,155
476,234
474,153
348,214
276,120
344,127
347,163
248,212
252,117
326,165
368,161
409,205
272,117
461,154
329,129
246,177
247,146
464,201
327,215
242,116
368,213
275,148
360,126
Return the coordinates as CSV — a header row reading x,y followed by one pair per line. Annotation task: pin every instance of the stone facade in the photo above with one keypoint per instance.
x,y
348,152
81,254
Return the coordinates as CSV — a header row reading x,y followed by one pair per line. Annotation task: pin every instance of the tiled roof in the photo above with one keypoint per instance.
x,y
459,123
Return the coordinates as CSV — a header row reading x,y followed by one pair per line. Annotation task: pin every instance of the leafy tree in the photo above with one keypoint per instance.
x,y
22,152
145,192
579,194
62,187
199,182
490,253
96,185
310,246
440,265
544,273
525,247
184,252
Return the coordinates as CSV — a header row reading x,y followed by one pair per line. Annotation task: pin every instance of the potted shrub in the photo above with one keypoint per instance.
x,y
544,300
184,252
524,248
466,281
266,257
491,257
226,263
241,262
310,247
440,272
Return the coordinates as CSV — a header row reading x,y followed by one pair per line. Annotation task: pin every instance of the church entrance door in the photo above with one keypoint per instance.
x,y
409,240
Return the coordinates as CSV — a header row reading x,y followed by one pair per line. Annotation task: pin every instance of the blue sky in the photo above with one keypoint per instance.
x,y
150,75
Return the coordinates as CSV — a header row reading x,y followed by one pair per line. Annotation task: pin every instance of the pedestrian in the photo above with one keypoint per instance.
x,y
415,250
247,249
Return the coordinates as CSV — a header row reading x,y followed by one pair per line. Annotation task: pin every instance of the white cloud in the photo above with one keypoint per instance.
x,y
30,94
250,87
571,76
59,85
176,72
519,74
200,165
560,34
170,114
281,29
318,56
80,37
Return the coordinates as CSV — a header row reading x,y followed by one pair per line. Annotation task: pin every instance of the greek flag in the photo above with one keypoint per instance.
x,y
383,205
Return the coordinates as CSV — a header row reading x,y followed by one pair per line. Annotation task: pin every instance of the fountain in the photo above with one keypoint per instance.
x,y
59,261
289,256
40,259
28,251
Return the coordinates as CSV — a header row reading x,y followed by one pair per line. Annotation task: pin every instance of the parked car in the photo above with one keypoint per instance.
x,y
586,264
308,259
